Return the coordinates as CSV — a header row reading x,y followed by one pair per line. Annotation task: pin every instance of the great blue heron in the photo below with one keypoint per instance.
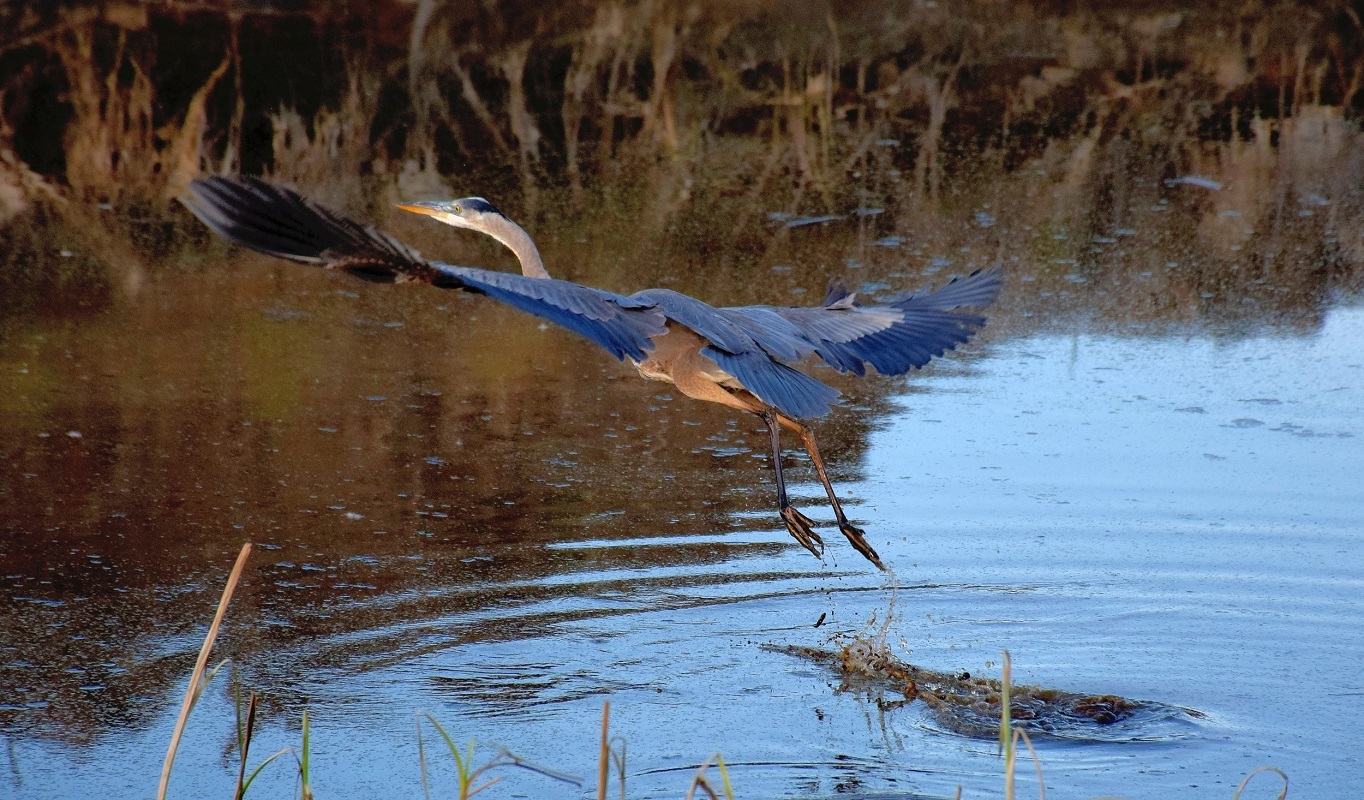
x,y
738,357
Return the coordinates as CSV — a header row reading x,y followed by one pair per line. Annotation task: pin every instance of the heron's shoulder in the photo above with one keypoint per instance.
x,y
671,296
707,320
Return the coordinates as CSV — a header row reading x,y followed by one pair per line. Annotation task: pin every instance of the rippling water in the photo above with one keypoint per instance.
x,y
1140,481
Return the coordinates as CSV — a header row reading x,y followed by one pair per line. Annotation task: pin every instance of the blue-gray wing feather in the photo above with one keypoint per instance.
x,y
793,392
900,333
777,335
977,290
622,325
701,317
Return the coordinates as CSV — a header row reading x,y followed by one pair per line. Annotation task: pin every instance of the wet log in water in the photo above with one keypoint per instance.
x,y
971,706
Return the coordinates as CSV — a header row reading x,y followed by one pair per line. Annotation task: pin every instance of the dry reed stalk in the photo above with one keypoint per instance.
x,y
191,692
699,781
941,96
604,759
658,112
588,56
186,149
1283,794
1010,736
512,64
469,91
111,143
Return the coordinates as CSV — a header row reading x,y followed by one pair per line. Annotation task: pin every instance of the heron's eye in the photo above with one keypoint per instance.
x,y
458,209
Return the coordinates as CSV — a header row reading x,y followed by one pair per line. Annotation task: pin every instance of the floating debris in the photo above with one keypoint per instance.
x,y
799,222
1195,180
727,452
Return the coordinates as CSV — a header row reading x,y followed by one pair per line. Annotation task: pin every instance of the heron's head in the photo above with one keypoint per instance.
x,y
473,213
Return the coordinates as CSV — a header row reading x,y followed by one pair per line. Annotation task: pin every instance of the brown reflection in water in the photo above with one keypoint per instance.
x,y
1229,236
377,446
403,457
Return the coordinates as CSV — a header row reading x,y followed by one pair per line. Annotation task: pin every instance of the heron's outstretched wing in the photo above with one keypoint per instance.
x,y
621,324
280,222
895,335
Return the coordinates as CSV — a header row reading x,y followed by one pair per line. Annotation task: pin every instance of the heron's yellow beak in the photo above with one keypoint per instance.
x,y
419,208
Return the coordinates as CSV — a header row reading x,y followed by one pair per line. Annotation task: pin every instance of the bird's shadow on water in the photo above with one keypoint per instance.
x,y
971,706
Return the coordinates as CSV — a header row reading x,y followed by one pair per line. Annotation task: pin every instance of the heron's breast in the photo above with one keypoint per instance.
x,y
679,350
654,371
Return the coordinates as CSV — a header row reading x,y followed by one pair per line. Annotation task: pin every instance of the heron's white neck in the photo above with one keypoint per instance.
x,y
520,243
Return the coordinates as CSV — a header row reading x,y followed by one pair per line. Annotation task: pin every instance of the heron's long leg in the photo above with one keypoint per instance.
x,y
800,526
855,534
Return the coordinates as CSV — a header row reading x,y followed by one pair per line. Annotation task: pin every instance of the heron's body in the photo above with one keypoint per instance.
x,y
739,357
676,359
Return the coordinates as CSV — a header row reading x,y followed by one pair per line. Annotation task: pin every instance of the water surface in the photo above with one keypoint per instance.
x,y
1142,480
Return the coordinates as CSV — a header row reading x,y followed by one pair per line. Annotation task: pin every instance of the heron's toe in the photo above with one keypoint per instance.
x,y
858,538
802,528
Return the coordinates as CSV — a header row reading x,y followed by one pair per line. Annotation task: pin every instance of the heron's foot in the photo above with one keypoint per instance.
x,y
803,528
858,538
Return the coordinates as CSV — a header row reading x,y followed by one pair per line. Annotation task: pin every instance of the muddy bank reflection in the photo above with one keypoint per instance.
x,y
378,449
